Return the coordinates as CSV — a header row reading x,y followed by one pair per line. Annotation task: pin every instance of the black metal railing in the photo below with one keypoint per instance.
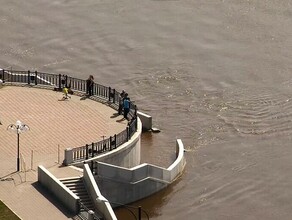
x,y
92,150
100,92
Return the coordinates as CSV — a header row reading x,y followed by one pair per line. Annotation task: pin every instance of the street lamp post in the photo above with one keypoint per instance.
x,y
128,207
18,128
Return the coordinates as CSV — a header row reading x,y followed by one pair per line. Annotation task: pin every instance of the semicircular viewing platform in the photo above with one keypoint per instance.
x,y
54,125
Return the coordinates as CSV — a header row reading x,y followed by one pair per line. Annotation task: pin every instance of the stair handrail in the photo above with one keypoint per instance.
x,y
95,217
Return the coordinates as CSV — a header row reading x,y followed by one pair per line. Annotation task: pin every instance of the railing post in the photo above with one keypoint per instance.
x,y
128,133
36,77
139,213
69,157
92,148
3,76
60,81
111,139
114,96
115,141
86,156
109,93
28,77
91,167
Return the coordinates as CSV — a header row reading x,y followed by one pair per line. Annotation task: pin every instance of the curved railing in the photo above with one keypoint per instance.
x,y
100,93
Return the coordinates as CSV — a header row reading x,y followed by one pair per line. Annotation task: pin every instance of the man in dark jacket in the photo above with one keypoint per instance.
x,y
89,85
121,102
126,105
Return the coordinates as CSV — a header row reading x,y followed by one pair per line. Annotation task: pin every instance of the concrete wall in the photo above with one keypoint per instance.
x,y
178,165
127,155
124,185
58,189
146,121
93,191
116,184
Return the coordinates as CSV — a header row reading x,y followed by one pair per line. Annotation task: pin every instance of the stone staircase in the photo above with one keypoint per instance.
x,y
76,185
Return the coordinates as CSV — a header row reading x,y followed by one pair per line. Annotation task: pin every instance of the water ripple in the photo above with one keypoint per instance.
x,y
263,113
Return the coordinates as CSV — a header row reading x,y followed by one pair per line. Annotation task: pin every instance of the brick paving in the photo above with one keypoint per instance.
x,y
54,126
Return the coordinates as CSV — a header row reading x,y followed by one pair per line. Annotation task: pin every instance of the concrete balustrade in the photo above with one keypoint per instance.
x,y
58,189
102,206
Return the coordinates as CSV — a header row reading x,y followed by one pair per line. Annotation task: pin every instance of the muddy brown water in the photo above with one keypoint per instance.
x,y
215,74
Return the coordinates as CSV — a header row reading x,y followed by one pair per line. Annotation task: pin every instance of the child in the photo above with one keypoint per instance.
x,y
65,94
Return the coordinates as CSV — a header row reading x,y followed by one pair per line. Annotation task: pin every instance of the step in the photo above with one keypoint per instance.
x,y
75,186
81,194
71,182
71,179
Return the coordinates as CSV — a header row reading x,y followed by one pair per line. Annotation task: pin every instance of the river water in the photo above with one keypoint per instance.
x,y
214,73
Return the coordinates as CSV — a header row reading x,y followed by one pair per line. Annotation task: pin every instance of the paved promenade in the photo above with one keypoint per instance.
x,y
54,126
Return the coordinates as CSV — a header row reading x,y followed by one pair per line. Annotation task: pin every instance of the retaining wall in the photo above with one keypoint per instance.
x,y
127,155
123,185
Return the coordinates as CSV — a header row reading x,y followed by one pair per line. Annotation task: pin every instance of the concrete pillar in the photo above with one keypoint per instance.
x,y
146,121
90,215
68,156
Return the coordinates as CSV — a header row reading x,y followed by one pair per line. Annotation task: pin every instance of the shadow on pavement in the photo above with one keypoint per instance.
x,y
52,199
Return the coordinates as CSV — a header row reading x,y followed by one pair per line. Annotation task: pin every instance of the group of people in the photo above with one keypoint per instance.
x,y
124,101
67,88
124,104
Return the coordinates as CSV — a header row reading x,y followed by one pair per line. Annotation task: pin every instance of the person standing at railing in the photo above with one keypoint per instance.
x,y
121,101
63,81
89,85
126,105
